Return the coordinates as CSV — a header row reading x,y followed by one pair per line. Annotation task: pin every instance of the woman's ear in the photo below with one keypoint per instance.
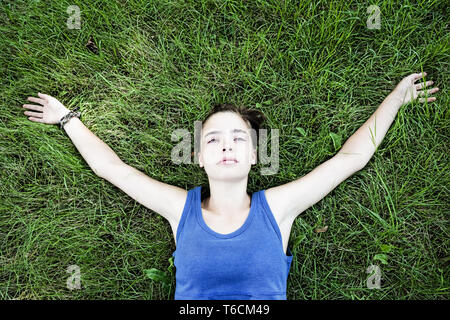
x,y
200,162
254,157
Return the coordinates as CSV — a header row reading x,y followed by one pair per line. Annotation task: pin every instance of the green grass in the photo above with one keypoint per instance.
x,y
160,66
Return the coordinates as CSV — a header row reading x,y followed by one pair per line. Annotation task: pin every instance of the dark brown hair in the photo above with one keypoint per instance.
x,y
252,116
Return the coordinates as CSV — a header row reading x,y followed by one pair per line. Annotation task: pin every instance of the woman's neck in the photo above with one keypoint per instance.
x,y
227,198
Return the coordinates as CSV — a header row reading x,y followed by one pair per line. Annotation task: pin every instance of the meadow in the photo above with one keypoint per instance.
x,y
141,69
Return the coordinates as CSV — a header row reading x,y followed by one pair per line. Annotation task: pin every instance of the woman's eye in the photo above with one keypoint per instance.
x,y
213,139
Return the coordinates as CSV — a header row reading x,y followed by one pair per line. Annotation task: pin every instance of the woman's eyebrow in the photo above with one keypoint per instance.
x,y
233,131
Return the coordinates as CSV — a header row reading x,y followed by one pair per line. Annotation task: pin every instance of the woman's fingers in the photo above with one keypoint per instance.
x,y
418,75
33,107
428,99
44,96
433,90
33,114
427,92
426,84
36,119
37,100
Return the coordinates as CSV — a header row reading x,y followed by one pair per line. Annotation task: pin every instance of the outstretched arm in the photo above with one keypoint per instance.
x,y
364,142
287,201
164,199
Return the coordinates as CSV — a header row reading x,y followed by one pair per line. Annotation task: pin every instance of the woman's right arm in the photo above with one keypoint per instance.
x,y
97,154
165,199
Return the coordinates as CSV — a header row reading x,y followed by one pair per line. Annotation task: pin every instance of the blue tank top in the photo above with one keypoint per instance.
x,y
248,263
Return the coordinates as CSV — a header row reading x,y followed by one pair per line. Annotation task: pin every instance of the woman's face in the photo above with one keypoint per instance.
x,y
226,135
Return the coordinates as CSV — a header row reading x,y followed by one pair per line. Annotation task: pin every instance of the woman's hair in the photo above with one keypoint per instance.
x,y
252,116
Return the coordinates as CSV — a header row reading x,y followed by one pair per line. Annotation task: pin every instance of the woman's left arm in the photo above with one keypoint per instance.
x,y
287,201
364,142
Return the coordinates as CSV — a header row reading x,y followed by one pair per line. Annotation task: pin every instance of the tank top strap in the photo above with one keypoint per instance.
x,y
188,209
268,212
262,201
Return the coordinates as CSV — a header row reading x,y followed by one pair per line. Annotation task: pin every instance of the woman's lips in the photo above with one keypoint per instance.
x,y
228,162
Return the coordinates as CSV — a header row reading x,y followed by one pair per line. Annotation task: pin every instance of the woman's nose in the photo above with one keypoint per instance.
x,y
226,144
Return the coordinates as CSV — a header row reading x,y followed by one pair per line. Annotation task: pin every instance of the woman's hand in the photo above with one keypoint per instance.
x,y
407,91
50,110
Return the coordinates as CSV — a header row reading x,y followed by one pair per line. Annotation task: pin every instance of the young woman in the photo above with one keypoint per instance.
x,y
229,244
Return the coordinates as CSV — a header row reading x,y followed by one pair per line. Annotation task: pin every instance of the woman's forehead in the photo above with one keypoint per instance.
x,y
224,122
216,131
